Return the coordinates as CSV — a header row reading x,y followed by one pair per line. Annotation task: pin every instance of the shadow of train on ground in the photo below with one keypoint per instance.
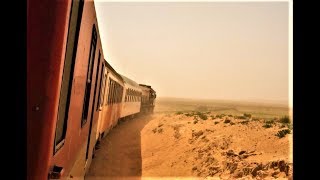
x,y
119,155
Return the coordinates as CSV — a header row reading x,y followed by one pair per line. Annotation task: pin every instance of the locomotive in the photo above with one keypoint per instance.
x,y
74,96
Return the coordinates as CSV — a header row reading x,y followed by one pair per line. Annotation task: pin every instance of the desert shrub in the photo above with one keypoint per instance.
x,y
269,121
267,125
212,117
203,116
232,123
217,122
255,119
154,130
227,121
247,115
160,130
179,112
285,120
244,122
282,133
222,115
230,115
218,116
240,117
188,114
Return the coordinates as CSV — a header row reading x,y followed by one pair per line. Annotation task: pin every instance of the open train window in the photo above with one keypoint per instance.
x,y
67,76
86,100
102,87
116,92
104,90
109,91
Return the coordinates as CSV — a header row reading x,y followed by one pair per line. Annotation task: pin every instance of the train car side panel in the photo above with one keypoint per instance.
x,y
47,25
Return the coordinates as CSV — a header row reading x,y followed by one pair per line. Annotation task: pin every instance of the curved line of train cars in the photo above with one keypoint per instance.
x,y
74,96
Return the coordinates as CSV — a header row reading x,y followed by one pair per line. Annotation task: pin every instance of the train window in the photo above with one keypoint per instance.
x,y
115,92
86,100
67,76
102,87
111,92
121,94
118,96
118,93
96,82
109,88
104,90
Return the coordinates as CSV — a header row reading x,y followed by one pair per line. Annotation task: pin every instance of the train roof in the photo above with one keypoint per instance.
x,y
114,71
129,81
147,86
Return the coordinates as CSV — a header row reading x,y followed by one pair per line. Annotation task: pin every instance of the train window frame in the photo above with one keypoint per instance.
x,y
102,87
75,17
88,85
112,97
108,94
104,101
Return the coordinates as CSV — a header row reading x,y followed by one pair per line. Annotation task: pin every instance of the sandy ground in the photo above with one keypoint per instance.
x,y
171,145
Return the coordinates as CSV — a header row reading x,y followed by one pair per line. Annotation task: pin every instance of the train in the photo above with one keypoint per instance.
x,y
74,96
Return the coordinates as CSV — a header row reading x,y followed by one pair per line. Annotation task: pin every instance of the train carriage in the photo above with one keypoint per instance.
x,y
147,99
110,109
132,98
71,74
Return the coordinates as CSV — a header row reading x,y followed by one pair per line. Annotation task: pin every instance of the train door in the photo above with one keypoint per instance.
x,y
89,95
93,109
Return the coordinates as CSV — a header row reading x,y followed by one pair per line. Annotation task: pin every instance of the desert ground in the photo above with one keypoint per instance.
x,y
197,139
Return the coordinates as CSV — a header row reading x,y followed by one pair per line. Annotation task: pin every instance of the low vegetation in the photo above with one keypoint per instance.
x,y
268,123
227,121
240,117
202,116
188,114
247,115
282,133
285,120
244,122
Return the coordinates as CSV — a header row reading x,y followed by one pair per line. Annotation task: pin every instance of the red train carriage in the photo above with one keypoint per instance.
x,y
64,63
47,30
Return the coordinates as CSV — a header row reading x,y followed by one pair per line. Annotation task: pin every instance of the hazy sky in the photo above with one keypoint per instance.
x,y
216,50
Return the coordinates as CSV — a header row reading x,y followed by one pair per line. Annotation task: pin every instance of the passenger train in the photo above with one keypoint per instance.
x,y
74,96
